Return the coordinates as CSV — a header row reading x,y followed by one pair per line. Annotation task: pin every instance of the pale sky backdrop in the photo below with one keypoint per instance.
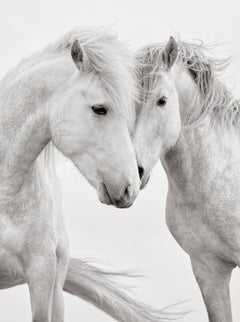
x,y
136,238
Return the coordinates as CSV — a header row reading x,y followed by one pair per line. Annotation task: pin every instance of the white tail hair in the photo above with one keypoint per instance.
x,y
100,289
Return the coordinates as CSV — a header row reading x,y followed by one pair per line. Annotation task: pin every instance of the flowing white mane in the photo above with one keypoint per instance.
x,y
109,58
216,99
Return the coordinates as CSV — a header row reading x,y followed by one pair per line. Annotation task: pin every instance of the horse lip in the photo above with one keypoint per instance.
x,y
121,204
117,203
125,206
144,182
107,195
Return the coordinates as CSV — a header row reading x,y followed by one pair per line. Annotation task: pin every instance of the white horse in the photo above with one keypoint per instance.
x,y
191,121
78,94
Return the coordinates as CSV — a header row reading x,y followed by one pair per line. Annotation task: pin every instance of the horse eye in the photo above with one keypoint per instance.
x,y
162,101
99,109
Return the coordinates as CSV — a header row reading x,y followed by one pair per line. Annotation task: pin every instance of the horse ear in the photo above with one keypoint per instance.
x,y
78,54
170,53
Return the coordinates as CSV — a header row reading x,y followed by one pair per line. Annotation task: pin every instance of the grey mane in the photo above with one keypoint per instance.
x,y
206,71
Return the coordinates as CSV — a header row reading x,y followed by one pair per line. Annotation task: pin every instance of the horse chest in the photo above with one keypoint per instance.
x,y
203,206
204,228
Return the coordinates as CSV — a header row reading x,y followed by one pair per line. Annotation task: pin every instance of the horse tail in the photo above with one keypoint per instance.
x,y
99,288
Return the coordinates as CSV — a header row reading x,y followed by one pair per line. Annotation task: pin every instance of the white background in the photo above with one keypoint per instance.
x,y
137,237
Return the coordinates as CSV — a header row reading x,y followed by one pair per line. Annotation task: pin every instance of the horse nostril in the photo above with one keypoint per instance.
x,y
141,172
126,192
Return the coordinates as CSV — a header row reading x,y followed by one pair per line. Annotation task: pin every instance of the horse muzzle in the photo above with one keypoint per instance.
x,y
123,200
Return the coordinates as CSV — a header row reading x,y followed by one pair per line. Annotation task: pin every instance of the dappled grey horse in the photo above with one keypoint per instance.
x,y
76,94
190,120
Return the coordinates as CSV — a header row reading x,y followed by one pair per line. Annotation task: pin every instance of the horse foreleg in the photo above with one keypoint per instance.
x,y
41,276
213,276
62,266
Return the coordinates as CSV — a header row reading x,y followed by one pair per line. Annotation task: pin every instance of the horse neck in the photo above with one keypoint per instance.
x,y
207,132
178,161
24,117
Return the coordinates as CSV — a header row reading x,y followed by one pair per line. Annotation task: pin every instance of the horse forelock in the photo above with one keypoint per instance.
x,y
113,62
109,57
149,69
216,100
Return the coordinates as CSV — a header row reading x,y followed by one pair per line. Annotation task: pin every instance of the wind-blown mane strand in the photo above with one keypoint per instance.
x,y
115,65
109,57
215,99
